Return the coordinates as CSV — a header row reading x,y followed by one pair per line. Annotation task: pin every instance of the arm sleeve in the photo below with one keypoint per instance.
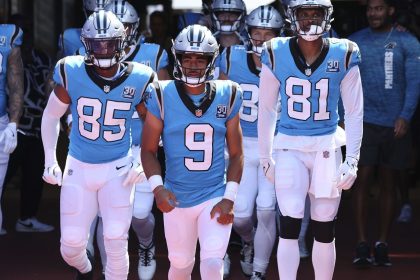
x,y
352,96
412,81
50,127
267,111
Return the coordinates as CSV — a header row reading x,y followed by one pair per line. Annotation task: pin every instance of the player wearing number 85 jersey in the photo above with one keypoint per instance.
x,y
103,93
309,74
242,64
195,118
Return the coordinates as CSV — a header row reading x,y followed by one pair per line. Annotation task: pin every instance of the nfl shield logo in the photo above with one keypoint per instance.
x,y
326,154
308,71
198,113
107,88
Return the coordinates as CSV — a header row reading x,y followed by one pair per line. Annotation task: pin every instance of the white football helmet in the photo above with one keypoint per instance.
x,y
89,6
263,17
231,6
103,37
315,31
196,39
127,14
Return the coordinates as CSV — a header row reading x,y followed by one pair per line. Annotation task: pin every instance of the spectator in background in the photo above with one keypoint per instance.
x,y
159,30
29,153
391,92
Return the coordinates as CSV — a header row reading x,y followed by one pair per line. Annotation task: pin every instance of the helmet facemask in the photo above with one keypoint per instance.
x,y
103,53
310,29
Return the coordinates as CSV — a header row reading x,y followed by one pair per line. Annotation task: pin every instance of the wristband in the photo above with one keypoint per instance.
x,y
155,181
231,190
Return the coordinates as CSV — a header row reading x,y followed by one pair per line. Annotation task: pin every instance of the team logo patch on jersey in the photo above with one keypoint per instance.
x,y
390,45
221,111
333,66
2,40
128,92
107,88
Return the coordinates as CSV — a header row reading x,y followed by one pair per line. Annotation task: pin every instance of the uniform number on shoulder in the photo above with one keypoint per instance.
x,y
299,92
199,138
90,111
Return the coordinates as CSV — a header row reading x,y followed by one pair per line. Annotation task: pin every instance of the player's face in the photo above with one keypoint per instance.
x,y
227,18
194,65
104,48
259,36
378,14
309,16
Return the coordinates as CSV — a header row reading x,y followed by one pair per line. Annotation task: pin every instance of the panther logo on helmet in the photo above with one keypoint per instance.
x,y
194,39
103,37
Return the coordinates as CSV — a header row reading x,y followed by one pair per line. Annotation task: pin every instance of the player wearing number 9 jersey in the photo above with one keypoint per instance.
x,y
103,93
196,118
242,64
309,74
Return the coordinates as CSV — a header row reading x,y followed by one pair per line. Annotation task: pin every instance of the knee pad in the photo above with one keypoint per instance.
x,y
324,232
289,227
241,207
324,212
116,230
73,237
266,201
181,261
142,210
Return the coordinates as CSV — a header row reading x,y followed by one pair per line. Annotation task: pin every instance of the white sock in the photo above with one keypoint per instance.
x,y
288,258
144,229
244,227
211,269
323,260
264,239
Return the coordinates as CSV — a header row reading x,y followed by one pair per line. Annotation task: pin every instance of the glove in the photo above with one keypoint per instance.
x,y
346,174
53,175
9,137
268,166
134,171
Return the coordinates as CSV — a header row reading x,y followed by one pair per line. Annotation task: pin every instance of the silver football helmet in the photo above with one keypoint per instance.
x,y
231,6
89,6
315,30
263,17
195,39
103,37
127,14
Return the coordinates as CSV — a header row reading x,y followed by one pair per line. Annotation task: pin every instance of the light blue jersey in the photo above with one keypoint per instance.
x,y
10,37
153,56
69,41
309,94
194,137
239,66
101,109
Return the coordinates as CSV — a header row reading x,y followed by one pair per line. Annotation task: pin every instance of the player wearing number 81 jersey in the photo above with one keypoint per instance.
x,y
103,93
309,74
195,118
242,64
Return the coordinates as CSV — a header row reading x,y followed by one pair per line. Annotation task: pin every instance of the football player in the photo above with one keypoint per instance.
x,y
308,74
195,118
11,101
242,64
103,94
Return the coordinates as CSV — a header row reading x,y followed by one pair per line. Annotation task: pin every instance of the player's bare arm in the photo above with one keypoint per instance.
x,y
15,84
165,199
234,170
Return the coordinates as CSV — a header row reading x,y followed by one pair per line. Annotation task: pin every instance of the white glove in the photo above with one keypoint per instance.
x,y
268,166
53,175
346,174
9,137
134,171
